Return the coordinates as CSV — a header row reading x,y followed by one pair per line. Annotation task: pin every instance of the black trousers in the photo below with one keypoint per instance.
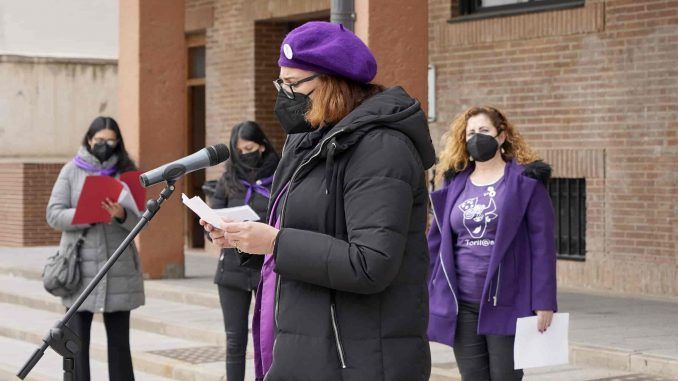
x,y
235,306
117,333
482,357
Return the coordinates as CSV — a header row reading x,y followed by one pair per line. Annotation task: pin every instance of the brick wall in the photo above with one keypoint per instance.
x,y
268,36
38,181
603,78
11,204
239,73
24,192
593,89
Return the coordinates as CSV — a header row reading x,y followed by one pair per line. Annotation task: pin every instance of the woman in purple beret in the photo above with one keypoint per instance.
x,y
492,247
344,257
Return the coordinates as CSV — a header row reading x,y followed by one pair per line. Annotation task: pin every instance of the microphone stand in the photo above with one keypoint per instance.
x,y
61,338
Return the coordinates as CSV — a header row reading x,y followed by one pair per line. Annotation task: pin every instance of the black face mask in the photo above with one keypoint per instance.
x,y
251,159
290,113
482,147
102,151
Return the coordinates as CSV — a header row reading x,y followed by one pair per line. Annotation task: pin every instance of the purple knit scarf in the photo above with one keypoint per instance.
x,y
81,163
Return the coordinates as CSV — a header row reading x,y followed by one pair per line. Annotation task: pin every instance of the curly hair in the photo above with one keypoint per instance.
x,y
454,156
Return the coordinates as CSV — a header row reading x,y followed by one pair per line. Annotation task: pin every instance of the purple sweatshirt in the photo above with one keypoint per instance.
x,y
474,221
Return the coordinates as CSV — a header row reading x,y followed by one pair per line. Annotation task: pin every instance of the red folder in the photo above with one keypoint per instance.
x,y
131,178
94,192
97,189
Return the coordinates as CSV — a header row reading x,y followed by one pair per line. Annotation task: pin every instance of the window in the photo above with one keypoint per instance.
x,y
472,9
569,203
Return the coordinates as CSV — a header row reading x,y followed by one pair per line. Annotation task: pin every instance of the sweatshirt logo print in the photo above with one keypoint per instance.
x,y
477,216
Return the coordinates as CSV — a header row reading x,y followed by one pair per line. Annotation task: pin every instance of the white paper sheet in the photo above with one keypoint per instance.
x,y
127,200
533,349
198,206
238,213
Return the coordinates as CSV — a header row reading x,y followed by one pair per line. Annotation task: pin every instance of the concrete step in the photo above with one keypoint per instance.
x,y
191,322
30,325
576,373
444,368
199,291
632,340
13,354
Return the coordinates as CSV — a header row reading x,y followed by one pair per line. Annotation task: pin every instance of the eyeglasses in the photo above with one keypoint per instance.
x,y
288,88
110,142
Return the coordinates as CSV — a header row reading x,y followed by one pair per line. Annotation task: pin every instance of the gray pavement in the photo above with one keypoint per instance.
x,y
612,337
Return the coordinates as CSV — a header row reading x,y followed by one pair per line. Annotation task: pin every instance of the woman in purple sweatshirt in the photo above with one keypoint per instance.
x,y
491,244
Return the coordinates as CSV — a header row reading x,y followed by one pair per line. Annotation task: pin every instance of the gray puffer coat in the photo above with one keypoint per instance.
x,y
122,289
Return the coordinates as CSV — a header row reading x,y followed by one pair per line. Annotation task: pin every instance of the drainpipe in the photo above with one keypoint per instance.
x,y
343,12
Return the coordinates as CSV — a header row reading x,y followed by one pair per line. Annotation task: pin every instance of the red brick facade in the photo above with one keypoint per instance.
x,y
594,89
240,71
24,192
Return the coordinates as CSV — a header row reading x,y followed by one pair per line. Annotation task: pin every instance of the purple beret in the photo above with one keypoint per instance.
x,y
328,48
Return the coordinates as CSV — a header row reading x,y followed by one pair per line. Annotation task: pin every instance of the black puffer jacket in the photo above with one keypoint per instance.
x,y
352,257
229,271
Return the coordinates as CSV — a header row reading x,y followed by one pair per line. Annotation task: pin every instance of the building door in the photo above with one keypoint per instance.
x,y
195,91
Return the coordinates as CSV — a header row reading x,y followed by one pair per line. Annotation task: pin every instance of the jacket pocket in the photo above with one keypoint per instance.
x,y
337,335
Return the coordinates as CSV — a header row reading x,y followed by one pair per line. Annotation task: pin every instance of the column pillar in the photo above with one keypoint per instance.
x,y
152,116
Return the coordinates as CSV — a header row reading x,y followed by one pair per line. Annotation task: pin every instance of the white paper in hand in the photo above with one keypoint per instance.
x,y
238,213
533,349
127,200
198,206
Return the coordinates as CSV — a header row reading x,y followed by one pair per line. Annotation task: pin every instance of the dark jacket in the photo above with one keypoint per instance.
x,y
522,273
229,271
351,256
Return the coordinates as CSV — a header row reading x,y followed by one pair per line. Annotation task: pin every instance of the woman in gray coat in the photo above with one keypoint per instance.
x,y
102,154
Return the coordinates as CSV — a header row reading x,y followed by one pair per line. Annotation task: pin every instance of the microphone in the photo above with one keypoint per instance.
x,y
204,158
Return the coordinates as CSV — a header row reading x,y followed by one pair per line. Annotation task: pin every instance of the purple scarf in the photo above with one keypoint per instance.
x,y
82,164
263,322
259,186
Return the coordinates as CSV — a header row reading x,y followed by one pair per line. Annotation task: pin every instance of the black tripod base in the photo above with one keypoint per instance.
x,y
66,343
63,341
69,369
61,338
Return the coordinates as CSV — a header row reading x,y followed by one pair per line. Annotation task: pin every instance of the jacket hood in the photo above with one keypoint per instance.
x,y
394,109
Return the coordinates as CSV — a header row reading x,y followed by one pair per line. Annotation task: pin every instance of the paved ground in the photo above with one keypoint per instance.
x,y
178,335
